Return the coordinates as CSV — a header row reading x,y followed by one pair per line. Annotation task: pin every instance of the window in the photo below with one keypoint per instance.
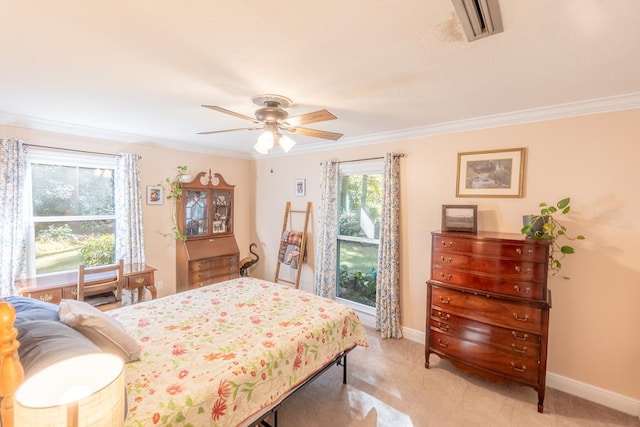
x,y
359,208
70,203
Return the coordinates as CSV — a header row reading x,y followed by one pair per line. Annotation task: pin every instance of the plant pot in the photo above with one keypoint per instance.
x,y
537,226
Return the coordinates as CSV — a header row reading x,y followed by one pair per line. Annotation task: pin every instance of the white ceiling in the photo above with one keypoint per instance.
x,y
139,70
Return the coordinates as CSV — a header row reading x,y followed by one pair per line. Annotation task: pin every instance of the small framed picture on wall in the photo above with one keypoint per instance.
x,y
301,187
155,194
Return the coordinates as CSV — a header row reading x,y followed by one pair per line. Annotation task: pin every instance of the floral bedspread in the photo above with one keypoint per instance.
x,y
221,354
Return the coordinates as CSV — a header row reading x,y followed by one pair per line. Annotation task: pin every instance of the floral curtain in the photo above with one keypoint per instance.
x,y
128,205
12,218
325,280
388,283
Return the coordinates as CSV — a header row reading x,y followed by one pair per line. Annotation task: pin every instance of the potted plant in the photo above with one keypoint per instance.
x,y
174,193
545,226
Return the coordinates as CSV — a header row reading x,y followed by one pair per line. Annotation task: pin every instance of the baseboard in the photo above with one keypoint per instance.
x,y
594,394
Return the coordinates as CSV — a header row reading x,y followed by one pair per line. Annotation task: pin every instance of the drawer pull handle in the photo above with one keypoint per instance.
x,y
518,368
518,337
522,319
140,280
445,300
446,276
443,326
447,245
519,251
46,297
519,350
446,260
444,316
526,270
527,290
74,292
442,344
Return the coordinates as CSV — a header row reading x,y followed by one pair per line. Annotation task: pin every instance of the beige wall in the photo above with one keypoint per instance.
x,y
595,319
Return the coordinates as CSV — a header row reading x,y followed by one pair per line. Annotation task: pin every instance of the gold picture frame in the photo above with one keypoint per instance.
x,y
492,173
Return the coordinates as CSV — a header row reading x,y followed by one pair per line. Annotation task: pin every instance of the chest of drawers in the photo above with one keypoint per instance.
x,y
205,261
488,306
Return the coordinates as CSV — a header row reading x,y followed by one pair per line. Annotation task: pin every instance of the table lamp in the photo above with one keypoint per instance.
x,y
86,390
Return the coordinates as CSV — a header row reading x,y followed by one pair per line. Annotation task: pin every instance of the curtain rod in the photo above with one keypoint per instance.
x,y
370,158
76,151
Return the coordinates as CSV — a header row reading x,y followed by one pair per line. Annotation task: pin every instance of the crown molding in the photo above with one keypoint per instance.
x,y
554,112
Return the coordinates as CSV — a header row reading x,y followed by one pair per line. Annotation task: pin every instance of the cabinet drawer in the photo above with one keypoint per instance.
x,y
511,341
519,270
213,263
486,357
52,295
489,283
211,280
135,281
486,309
524,251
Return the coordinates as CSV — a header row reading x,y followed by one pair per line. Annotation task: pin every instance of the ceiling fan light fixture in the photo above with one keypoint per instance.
x,y
286,143
264,143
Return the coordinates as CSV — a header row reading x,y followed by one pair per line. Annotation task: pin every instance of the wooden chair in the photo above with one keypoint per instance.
x,y
101,286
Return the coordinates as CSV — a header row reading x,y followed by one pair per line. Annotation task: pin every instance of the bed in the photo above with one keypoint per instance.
x,y
229,354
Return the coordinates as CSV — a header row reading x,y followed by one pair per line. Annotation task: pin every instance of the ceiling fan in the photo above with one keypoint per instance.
x,y
273,118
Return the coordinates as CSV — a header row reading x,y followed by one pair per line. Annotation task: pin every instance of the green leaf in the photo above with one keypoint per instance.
x,y
580,237
180,417
564,203
567,250
566,210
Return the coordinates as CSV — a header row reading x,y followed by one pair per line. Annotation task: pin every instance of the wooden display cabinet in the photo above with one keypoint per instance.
x,y
204,215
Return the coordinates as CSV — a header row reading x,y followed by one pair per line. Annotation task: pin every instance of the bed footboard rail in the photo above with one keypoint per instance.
x,y
339,360
11,372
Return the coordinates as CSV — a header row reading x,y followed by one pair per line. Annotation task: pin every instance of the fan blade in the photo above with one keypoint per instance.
x,y
314,117
231,113
226,130
315,133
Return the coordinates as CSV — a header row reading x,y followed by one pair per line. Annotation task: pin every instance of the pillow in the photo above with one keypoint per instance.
x,y
43,342
106,332
32,309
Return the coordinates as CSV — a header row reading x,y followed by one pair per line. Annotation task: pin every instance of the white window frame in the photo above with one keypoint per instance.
x,y
366,167
41,156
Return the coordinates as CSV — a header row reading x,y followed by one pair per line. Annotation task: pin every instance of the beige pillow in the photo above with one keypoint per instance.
x,y
105,331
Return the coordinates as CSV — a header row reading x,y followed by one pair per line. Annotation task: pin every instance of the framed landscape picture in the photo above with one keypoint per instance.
x,y
460,218
494,173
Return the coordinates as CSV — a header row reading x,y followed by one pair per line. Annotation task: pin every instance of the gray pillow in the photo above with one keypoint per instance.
x,y
105,331
32,309
43,342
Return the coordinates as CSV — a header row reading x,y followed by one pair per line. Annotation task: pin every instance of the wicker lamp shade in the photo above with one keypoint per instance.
x,y
85,390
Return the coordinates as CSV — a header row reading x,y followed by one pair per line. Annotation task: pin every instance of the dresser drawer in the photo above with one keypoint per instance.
x,y
486,357
525,344
135,281
486,309
519,270
489,283
52,295
524,251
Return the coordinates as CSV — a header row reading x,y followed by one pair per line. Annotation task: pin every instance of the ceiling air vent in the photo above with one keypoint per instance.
x,y
479,18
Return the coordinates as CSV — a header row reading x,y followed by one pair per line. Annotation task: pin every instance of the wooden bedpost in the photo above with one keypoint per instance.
x,y
11,372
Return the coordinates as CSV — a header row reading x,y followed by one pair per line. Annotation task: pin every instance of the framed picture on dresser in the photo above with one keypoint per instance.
x,y
460,218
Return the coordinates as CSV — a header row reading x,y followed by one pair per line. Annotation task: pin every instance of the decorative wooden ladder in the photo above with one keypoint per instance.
x,y
288,212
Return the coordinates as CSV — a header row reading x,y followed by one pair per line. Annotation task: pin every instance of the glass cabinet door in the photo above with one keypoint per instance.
x,y
222,214
196,221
